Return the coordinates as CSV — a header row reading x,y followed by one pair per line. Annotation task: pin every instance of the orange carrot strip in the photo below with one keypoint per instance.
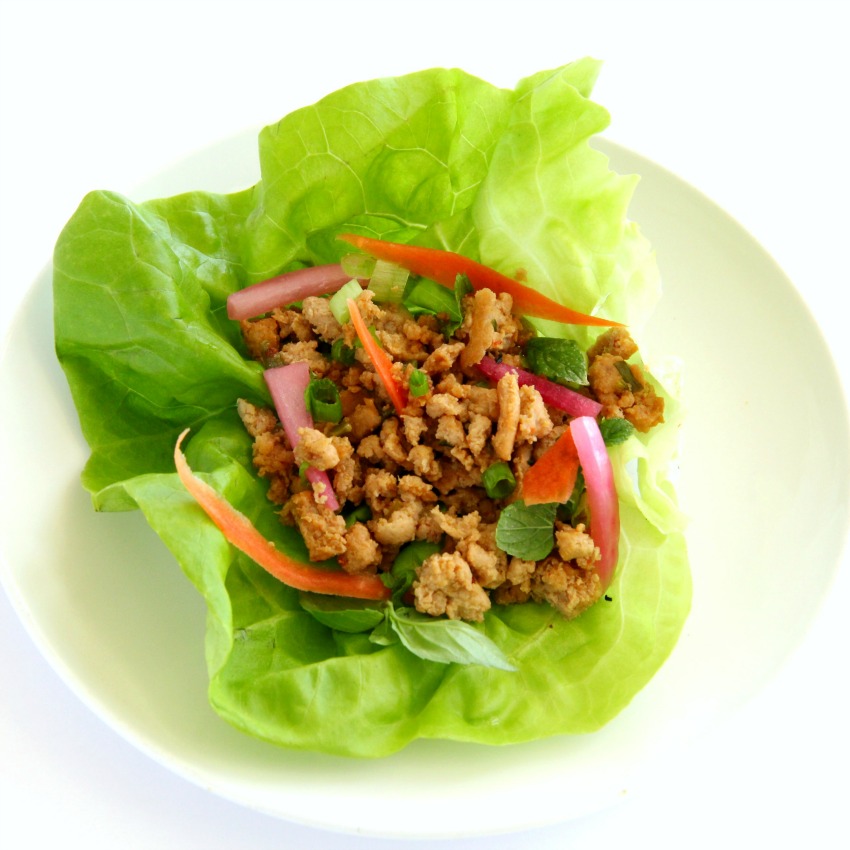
x,y
383,365
444,267
553,476
239,531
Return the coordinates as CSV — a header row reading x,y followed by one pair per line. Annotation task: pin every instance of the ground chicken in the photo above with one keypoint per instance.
x,y
362,553
424,463
419,470
398,528
569,589
414,428
445,585
574,544
261,338
509,410
317,311
488,563
614,341
478,433
534,420
620,387
257,420
296,352
364,420
315,449
481,327
292,323
442,359
635,400
323,530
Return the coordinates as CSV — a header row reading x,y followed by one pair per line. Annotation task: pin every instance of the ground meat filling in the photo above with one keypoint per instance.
x,y
418,475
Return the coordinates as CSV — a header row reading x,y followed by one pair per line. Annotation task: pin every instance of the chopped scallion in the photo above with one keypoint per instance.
x,y
339,301
323,402
498,480
418,383
388,282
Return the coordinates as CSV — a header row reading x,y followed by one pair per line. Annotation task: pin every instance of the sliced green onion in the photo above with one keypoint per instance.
x,y
498,480
358,265
418,383
388,282
323,402
362,513
339,301
342,353
302,470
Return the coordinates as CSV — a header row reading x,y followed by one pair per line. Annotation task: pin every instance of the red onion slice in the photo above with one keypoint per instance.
x,y
287,385
601,493
563,398
285,289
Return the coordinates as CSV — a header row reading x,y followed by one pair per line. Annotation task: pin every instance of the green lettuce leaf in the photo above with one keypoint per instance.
x,y
443,159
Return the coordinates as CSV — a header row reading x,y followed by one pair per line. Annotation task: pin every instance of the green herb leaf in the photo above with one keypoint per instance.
x,y
384,634
446,641
342,614
616,431
342,353
628,376
462,288
362,513
408,560
498,480
527,532
423,296
559,360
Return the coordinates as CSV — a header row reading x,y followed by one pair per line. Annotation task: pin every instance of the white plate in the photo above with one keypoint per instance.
x,y
754,479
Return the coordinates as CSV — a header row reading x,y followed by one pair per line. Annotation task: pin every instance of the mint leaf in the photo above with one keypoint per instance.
x,y
616,431
559,360
446,641
527,532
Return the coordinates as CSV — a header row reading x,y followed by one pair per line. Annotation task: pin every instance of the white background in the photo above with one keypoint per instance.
x,y
745,100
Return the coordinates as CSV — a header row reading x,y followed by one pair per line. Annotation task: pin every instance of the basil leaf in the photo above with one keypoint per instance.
x,y
423,296
342,614
383,634
446,641
616,431
559,360
527,532
408,560
462,288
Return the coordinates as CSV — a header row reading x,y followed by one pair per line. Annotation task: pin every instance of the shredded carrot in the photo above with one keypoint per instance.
x,y
444,267
239,531
383,365
553,476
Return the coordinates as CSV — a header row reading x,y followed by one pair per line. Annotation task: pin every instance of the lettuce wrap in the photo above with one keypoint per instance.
x,y
437,158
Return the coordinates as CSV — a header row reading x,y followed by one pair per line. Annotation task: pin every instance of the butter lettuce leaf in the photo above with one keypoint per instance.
x,y
439,158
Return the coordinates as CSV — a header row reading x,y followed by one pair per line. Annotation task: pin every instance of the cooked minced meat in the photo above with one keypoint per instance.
x,y
419,473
